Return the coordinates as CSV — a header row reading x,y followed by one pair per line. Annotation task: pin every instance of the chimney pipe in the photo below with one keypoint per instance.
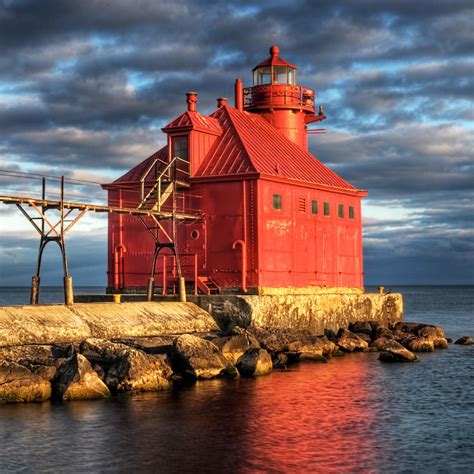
x,y
239,96
191,99
221,101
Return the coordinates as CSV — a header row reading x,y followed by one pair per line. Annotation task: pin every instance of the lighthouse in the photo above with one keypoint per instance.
x,y
264,214
277,97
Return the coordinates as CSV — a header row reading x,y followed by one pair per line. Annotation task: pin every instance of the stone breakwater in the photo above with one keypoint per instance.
x,y
99,367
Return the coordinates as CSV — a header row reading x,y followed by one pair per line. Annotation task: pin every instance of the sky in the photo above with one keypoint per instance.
x,y
85,88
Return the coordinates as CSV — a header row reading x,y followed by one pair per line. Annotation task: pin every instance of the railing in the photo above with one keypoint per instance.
x,y
286,95
172,172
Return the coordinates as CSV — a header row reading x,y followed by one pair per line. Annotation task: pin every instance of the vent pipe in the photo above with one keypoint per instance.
x,y
191,99
221,101
239,96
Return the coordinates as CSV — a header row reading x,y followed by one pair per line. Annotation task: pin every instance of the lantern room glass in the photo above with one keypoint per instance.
x,y
274,75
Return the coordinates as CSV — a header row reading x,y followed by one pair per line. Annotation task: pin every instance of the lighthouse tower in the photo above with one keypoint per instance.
x,y
276,97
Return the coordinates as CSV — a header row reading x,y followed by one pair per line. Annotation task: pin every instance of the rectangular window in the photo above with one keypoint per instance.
x,y
302,204
277,201
314,207
340,210
326,209
351,212
180,148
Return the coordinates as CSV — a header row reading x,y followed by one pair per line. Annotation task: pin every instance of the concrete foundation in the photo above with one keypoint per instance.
x,y
313,313
47,324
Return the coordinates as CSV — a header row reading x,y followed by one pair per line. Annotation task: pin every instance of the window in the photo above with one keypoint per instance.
x,y
302,204
277,201
263,75
314,207
180,147
351,212
340,210
326,209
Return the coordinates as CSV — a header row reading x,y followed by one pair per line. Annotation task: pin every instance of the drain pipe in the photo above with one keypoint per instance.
x,y
244,262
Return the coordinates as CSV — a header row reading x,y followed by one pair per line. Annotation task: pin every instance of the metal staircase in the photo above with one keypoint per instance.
x,y
208,286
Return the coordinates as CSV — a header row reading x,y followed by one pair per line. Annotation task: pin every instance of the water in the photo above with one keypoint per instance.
x,y
353,414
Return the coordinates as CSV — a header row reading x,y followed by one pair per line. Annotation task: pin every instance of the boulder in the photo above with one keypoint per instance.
x,y
379,343
329,348
102,352
280,360
465,341
418,344
430,332
364,336
330,335
135,371
234,346
254,362
395,352
350,342
19,384
150,345
383,332
199,359
77,380
362,327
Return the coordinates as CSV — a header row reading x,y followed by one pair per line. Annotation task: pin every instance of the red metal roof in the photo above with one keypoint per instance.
x,y
251,144
196,121
274,60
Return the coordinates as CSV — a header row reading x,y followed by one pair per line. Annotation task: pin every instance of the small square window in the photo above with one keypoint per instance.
x,y
351,212
277,201
326,209
314,207
340,210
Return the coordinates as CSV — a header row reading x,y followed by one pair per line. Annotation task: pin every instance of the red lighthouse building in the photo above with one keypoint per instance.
x,y
245,206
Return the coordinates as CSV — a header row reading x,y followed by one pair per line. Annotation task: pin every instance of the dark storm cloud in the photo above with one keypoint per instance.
x,y
86,86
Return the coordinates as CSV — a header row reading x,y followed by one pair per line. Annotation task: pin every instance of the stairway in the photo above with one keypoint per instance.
x,y
208,286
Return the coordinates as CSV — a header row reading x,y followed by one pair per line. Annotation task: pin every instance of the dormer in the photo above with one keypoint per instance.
x,y
191,135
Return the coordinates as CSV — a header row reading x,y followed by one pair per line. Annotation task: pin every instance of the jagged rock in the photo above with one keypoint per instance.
x,y
32,356
102,352
379,343
255,362
311,349
136,371
418,344
328,346
362,327
350,342
364,336
384,332
150,345
430,332
330,335
200,359
19,384
48,372
393,351
77,380
233,347
280,360
465,341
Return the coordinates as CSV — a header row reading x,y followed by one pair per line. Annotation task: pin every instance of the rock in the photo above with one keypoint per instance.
x,y
430,332
350,342
330,335
364,336
19,384
395,352
379,343
102,352
418,344
362,327
150,345
77,380
440,343
48,372
199,359
255,362
311,348
136,371
328,346
465,341
280,360
233,347
383,332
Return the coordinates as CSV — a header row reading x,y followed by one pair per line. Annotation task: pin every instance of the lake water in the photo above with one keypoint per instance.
x,y
353,414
